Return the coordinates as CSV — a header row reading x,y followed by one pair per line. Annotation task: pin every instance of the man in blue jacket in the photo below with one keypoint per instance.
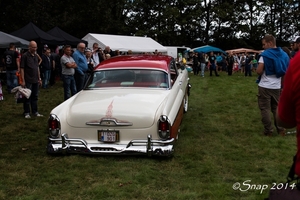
x,y
82,66
272,66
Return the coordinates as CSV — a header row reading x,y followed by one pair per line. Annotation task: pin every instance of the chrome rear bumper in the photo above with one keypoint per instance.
x,y
148,147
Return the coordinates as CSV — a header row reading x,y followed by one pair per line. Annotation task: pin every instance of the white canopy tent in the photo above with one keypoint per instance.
x,y
6,39
124,43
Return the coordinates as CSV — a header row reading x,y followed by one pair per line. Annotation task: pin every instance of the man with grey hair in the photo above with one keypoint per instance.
x,y
82,66
107,50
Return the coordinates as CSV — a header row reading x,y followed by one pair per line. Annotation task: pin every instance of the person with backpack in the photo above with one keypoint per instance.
x,y
12,65
272,66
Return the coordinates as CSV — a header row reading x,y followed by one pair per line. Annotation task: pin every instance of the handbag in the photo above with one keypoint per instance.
x,y
21,98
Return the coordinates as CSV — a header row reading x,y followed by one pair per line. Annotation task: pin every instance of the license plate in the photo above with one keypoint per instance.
x,y
108,135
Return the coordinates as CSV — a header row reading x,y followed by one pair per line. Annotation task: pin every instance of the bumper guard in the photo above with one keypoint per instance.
x,y
148,147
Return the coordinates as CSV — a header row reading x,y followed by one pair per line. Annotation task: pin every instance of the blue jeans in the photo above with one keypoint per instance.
x,y
248,70
213,68
47,74
32,101
254,66
69,84
202,68
80,80
11,80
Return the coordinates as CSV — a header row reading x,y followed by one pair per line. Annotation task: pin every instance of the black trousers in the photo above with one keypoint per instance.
x,y
52,77
196,69
229,70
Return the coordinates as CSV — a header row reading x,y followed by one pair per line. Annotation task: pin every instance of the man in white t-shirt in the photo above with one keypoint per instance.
x,y
272,65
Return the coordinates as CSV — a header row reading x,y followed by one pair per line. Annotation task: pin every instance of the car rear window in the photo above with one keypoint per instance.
x,y
128,78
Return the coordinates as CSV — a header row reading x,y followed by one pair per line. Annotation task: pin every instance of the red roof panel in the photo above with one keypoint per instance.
x,y
139,61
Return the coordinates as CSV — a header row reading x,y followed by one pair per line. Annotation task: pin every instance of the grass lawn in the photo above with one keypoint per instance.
x,y
220,146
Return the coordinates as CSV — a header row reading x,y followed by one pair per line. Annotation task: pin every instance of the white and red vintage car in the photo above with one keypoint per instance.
x,y
130,105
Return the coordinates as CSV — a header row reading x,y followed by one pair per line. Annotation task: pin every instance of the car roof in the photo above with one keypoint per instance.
x,y
139,61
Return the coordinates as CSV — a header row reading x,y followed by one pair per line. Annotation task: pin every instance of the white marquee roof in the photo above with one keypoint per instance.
x,y
124,43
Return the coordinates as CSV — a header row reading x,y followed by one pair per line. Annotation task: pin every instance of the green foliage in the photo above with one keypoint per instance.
x,y
223,23
220,144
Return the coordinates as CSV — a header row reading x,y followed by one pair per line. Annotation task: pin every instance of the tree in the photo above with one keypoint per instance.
x,y
223,23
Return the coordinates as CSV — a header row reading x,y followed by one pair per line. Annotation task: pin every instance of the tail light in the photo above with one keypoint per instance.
x,y
54,126
189,89
163,127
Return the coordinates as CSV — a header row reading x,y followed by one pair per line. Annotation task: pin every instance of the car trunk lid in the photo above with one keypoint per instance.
x,y
136,107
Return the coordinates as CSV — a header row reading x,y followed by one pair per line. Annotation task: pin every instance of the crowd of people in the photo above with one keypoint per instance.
x,y
270,65
245,63
32,71
77,65
278,94
74,66
277,67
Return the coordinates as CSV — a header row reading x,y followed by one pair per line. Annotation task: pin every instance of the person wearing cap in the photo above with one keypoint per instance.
x,y
90,61
295,45
82,66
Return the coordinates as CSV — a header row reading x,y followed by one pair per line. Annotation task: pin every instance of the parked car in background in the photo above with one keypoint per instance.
x,y
130,105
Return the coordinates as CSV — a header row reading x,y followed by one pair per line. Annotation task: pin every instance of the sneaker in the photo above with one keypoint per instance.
x,y
38,115
27,116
